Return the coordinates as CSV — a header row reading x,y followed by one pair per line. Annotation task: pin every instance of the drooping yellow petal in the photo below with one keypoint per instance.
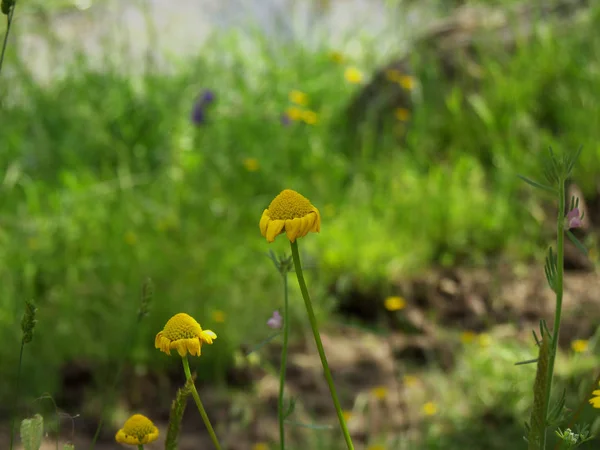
x,y
264,222
274,228
208,336
292,227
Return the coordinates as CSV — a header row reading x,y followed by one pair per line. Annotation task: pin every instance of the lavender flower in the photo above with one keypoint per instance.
x,y
573,219
276,321
198,115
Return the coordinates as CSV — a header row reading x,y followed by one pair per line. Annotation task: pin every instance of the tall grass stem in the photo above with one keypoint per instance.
x,y
284,350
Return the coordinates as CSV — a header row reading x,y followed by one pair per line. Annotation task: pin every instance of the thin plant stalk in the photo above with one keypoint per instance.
x,y
313,323
17,394
560,244
188,376
9,19
282,368
141,447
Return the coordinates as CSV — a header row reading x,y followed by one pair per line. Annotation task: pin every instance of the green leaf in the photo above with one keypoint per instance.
x,y
529,361
538,185
577,243
32,431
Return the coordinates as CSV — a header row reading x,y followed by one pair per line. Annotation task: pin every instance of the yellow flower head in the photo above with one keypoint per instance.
x,y
595,400
402,114
430,409
184,334
309,117
138,430
292,213
579,345
394,303
251,164
298,97
379,392
353,75
294,113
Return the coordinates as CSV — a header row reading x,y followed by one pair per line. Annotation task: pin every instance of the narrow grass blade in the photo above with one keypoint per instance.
x,y
538,185
577,243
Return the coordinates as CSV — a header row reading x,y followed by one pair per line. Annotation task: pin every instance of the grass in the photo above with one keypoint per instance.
x,y
107,181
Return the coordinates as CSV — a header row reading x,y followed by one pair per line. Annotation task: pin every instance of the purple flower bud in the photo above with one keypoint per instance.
x,y
198,115
207,97
276,321
573,219
285,120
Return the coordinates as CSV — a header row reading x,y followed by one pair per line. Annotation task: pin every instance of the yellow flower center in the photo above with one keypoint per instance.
x,y
181,326
289,205
139,427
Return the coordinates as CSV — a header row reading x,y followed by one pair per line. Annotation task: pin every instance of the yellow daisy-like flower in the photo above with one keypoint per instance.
x,y
394,303
353,75
184,334
138,430
251,164
298,97
430,409
595,401
309,117
292,213
218,316
402,114
379,392
579,345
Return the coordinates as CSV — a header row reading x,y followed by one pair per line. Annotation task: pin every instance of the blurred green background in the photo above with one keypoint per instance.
x,y
106,180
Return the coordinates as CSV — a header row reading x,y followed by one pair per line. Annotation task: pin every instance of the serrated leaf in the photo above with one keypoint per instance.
x,y
538,185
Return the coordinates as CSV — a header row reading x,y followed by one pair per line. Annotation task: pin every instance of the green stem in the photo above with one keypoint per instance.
x,y
315,329
9,19
282,368
17,394
141,447
188,376
560,244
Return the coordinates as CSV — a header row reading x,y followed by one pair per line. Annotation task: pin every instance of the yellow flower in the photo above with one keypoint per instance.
x,y
394,303
579,345
410,380
251,164
294,113
430,409
138,430
379,392
353,75
484,340
336,57
402,114
292,213
298,97
218,316
595,401
309,117
347,415
395,76
260,446
467,337
184,334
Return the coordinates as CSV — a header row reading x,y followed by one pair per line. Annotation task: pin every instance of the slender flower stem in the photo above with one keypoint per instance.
x,y
17,394
141,447
315,329
560,244
188,376
282,368
9,19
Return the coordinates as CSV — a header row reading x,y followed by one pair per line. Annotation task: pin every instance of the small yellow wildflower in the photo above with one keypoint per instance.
x,y
184,334
131,238
353,75
394,303
484,340
218,316
430,409
137,430
251,164
579,345
347,415
467,337
310,117
260,446
595,400
336,57
395,76
402,114
294,113
298,97
292,213
379,392
410,380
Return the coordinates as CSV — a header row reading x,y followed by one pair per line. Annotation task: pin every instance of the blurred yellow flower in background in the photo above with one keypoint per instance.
x,y
218,316
405,81
291,213
379,392
294,113
137,430
430,409
251,164
298,97
579,345
402,114
410,380
595,400
347,415
353,75
336,57
309,117
376,447
394,303
184,334
467,337
260,446
484,340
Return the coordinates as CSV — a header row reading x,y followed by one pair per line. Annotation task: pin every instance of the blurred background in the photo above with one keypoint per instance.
x,y
144,139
